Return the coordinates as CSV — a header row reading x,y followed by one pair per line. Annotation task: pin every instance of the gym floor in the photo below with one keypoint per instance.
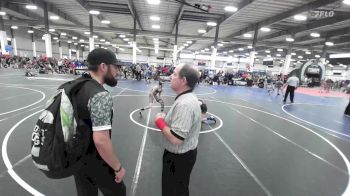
x,y
259,146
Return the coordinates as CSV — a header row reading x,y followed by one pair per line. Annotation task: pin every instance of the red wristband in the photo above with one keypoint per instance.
x,y
160,123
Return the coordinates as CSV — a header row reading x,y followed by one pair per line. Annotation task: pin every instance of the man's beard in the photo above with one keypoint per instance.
x,y
110,80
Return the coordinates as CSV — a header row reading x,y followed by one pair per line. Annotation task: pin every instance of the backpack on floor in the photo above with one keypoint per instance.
x,y
60,138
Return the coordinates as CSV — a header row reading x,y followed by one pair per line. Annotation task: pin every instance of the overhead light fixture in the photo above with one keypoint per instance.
x,y
63,34
278,55
268,56
250,47
300,57
329,44
54,17
31,7
55,38
30,31
247,35
186,45
95,36
75,44
290,39
230,9
51,30
14,27
267,51
153,2
220,44
230,51
87,33
102,40
94,12
69,42
107,42
122,36
154,18
155,39
2,13
317,56
211,24
206,49
201,31
126,39
155,27
189,42
307,52
315,35
114,45
300,17
225,52
82,45
293,53
106,22
74,38
347,2
240,49
81,40
280,50
265,29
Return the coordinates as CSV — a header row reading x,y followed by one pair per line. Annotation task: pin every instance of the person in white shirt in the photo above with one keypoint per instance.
x,y
155,94
293,83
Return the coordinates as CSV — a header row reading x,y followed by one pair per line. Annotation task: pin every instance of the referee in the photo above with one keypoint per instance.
x,y
180,129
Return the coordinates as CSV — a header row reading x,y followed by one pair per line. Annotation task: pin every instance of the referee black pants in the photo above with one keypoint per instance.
x,y
290,89
96,174
176,172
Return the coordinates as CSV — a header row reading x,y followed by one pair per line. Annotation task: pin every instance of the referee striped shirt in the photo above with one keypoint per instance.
x,y
184,120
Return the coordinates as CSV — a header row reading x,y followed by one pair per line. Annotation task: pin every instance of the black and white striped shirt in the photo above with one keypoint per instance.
x,y
184,120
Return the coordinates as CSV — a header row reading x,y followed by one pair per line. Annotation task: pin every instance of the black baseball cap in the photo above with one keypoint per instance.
x,y
100,55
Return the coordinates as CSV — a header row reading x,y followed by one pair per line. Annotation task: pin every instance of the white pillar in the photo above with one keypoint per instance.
x,y
78,54
61,52
175,53
3,40
14,46
134,52
69,53
91,43
286,64
48,45
213,57
34,49
252,58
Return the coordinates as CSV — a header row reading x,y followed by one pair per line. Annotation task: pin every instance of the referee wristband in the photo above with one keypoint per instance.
x,y
160,123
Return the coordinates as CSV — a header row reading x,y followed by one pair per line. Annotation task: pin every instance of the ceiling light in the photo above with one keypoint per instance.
x,y
54,17
154,18
155,27
300,57
55,38
315,35
31,7
107,42
69,42
293,53
153,2
206,49
247,35
94,12
186,45
289,39
189,42
230,51
220,44
155,39
347,2
87,33
102,40
278,55
317,56
225,52
81,40
63,34
126,39
95,36
14,27
280,50
250,47
268,56
30,31
230,9
75,44
74,38
82,45
265,29
329,44
122,36
114,45
106,22
212,24
267,51
2,13
307,52
51,30
300,17
240,49
201,31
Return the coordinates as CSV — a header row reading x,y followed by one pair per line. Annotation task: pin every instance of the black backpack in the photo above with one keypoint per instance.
x,y
60,138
